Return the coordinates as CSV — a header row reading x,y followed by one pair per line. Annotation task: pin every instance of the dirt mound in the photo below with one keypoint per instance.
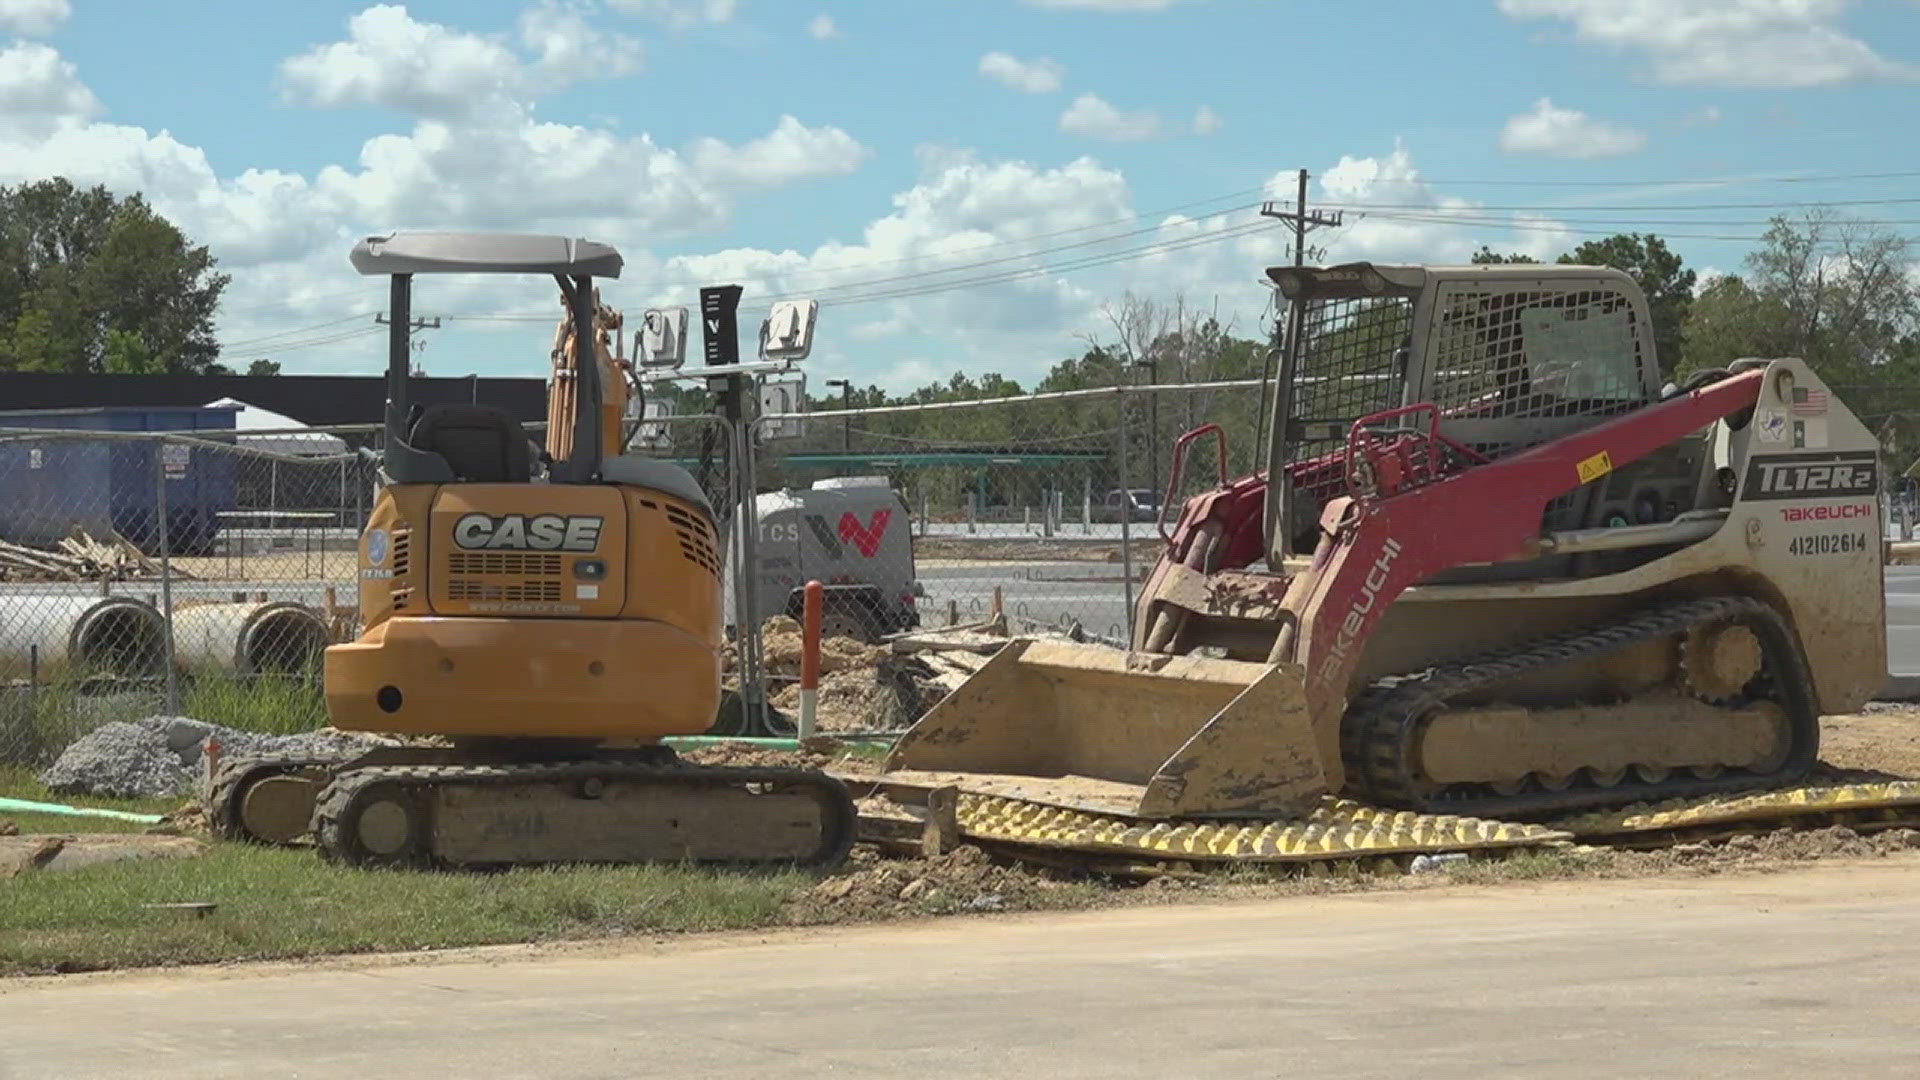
x,y
883,698
1885,739
965,879
816,754
1780,847
781,644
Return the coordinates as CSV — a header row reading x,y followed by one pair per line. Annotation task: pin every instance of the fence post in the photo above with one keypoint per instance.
x,y
1086,504
810,657
924,520
753,699
1126,519
161,531
973,509
1046,512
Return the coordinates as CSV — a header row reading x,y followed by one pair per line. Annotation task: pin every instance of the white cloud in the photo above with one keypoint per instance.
x,y
32,18
1104,5
394,61
821,27
285,235
1206,121
39,91
1091,117
679,14
568,49
1393,214
1726,42
1704,116
1567,133
1038,76
792,151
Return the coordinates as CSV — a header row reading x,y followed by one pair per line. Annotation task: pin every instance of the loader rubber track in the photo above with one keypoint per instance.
x,y
1380,734
351,791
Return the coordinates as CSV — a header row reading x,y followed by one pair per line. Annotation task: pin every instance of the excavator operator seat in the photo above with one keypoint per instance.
x,y
480,443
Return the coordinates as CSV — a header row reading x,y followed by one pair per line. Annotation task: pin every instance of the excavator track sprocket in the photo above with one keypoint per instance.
x,y
1383,732
589,811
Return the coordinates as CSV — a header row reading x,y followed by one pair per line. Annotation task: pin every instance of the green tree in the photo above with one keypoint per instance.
x,y
264,367
1836,293
1486,256
90,282
1661,275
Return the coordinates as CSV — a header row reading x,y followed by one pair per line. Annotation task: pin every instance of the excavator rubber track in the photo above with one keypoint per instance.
x,y
1381,733
236,778
587,811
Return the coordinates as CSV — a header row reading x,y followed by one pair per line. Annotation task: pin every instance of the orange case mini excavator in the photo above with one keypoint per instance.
x,y
547,617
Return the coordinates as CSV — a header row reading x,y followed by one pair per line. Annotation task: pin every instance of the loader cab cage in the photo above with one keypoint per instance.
x,y
425,452
1511,355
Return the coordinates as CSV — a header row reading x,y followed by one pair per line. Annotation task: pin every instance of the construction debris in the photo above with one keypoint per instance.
x,y
27,854
964,879
79,557
162,756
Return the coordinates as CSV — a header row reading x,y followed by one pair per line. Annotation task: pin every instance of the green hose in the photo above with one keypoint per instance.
x,y
25,806
691,741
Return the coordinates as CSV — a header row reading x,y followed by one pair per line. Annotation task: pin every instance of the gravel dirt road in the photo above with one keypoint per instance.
x,y
1805,972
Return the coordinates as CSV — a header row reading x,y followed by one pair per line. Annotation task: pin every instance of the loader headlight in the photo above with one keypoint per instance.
x,y
589,569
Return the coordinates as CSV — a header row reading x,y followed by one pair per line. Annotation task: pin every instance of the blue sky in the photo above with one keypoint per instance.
x,y
962,185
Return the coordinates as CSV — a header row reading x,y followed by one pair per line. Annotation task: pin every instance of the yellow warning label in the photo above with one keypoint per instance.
x,y
1595,467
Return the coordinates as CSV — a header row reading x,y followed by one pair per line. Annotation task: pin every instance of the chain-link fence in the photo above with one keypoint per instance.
x,y
204,574
1044,508
198,574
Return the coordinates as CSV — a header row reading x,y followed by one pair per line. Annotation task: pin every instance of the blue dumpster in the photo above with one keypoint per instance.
x,y
54,483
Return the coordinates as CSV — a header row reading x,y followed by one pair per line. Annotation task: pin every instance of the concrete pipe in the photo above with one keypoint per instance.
x,y
52,638
263,638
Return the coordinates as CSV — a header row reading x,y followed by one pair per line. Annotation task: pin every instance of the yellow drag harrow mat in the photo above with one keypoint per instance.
x,y
1869,805
1337,829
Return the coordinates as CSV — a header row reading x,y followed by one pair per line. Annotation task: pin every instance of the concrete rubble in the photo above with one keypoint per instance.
x,y
164,756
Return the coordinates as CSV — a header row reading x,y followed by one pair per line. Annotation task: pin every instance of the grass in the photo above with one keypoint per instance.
x,y
22,782
274,706
287,903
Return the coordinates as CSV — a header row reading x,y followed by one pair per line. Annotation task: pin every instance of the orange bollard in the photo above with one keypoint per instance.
x,y
815,600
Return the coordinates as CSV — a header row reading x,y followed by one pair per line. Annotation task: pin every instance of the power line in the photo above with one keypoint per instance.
x,y
267,339
1303,220
1722,180
1820,204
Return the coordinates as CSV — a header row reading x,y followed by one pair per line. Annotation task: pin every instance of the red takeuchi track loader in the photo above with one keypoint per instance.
x,y
1494,567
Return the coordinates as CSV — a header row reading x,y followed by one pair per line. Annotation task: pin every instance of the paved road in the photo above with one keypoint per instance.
x,y
1046,592
1903,620
1804,973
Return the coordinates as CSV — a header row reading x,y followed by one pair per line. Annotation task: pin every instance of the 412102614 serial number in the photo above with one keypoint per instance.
x,y
1828,544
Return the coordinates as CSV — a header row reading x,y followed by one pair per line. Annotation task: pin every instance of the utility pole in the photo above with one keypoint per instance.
x,y
414,326
1153,422
1303,221
845,387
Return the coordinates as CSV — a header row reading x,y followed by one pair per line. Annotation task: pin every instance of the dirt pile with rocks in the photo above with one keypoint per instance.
x,y
872,886
162,756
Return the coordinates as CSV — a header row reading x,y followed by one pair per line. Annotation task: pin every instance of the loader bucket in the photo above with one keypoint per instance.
x,y
1116,732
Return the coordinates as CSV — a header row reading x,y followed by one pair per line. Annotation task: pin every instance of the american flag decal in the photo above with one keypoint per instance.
x,y
1807,402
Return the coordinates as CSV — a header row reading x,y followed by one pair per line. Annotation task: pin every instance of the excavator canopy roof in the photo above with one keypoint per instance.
x,y
484,253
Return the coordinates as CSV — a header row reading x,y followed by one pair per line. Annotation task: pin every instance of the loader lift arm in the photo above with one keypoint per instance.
x,y
1377,545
